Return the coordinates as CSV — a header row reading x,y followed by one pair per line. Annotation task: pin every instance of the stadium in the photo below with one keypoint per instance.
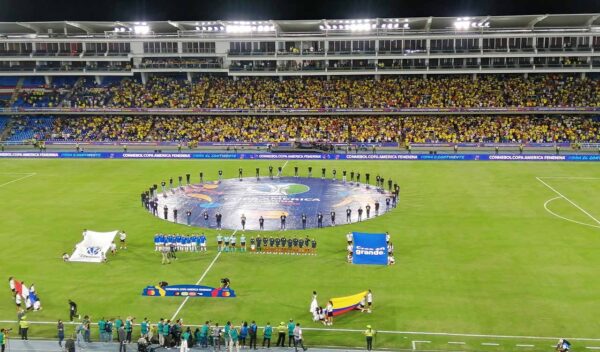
x,y
414,183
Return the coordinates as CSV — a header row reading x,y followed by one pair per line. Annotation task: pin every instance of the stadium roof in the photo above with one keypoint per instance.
x,y
427,24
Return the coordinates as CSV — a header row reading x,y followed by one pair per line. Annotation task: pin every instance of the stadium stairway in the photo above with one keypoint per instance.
x,y
67,97
51,345
15,93
5,127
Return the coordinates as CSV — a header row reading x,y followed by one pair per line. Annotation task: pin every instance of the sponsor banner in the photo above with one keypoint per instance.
x,y
187,291
369,248
269,156
289,144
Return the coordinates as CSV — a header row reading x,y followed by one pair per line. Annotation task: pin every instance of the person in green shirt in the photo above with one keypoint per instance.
x,y
102,330
2,340
159,329
291,326
129,328
165,332
204,335
118,323
226,334
234,339
268,332
144,328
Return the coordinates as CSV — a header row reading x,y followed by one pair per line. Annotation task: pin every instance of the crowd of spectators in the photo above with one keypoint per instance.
x,y
388,92
363,129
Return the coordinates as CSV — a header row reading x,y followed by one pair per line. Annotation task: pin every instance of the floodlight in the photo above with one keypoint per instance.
x,y
141,29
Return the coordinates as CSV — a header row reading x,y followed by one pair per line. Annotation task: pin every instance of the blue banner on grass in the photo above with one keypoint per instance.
x,y
369,248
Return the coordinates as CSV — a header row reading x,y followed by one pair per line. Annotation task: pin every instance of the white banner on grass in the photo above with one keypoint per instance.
x,y
94,247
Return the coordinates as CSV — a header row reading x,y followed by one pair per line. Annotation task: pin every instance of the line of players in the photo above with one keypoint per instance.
x,y
389,203
379,181
149,198
350,248
182,243
270,245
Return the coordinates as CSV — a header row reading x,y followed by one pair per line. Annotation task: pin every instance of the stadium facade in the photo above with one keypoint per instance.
x,y
280,48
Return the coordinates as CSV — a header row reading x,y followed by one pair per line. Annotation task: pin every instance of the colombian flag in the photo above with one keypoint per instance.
x,y
345,304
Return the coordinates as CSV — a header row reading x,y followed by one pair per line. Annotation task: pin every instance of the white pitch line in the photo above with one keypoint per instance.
x,y
562,217
456,343
519,345
197,282
414,343
570,201
489,344
284,165
17,173
18,179
593,348
571,177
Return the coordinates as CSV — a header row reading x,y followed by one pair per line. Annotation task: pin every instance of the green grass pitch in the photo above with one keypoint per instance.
x,y
476,251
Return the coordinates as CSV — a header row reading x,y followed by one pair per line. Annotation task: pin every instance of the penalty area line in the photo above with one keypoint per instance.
x,y
18,179
570,201
197,282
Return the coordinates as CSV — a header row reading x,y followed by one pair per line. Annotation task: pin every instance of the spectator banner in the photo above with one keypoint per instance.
x,y
187,291
269,156
345,304
93,248
369,248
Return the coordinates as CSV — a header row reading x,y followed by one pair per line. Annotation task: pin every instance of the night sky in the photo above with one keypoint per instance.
x,y
148,10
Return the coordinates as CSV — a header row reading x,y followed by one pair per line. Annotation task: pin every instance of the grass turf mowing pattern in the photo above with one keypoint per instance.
x,y
476,251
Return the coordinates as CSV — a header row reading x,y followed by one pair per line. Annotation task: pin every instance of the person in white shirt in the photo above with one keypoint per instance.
x,y
387,237
113,247
349,237
313,304
369,300
349,257
65,257
11,283
298,338
122,238
391,260
349,248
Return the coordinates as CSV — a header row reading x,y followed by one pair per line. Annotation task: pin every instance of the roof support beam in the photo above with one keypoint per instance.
x,y
29,26
535,21
428,24
592,19
176,25
85,28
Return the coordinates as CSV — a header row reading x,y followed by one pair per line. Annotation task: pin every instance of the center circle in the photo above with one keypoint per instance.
x,y
271,198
